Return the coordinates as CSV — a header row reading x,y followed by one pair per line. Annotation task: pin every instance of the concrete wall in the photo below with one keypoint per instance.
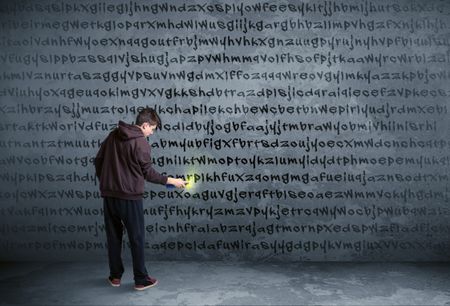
x,y
312,130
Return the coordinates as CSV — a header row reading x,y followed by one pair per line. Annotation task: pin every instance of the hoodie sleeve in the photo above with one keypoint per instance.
x,y
98,160
144,159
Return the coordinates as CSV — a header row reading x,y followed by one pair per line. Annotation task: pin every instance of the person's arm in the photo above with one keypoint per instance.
x,y
151,174
144,159
98,160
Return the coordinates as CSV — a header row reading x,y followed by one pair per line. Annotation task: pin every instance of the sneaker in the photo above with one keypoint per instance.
x,y
115,282
149,282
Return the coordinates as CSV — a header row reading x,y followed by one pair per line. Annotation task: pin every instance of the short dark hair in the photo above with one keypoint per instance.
x,y
148,115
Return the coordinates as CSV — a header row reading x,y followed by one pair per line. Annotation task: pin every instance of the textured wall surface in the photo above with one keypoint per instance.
x,y
310,130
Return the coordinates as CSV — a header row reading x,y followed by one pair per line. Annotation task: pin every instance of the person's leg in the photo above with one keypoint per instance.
x,y
133,218
114,233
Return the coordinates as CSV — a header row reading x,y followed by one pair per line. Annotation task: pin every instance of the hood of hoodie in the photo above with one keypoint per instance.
x,y
128,131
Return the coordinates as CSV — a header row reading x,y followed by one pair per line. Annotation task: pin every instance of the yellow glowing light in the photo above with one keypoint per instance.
x,y
190,184
190,178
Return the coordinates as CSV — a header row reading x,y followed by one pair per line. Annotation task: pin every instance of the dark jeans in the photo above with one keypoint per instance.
x,y
131,213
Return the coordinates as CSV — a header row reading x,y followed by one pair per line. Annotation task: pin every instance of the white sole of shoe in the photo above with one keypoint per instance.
x,y
114,285
146,287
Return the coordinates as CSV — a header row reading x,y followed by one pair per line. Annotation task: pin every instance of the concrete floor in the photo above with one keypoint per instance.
x,y
229,283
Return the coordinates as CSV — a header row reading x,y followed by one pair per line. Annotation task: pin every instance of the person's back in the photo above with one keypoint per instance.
x,y
122,165
127,156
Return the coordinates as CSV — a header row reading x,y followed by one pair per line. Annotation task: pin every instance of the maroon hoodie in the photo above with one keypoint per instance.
x,y
123,164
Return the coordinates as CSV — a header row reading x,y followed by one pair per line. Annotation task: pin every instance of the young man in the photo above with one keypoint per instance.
x,y
122,165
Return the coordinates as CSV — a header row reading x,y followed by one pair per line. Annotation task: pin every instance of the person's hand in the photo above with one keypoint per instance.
x,y
179,183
